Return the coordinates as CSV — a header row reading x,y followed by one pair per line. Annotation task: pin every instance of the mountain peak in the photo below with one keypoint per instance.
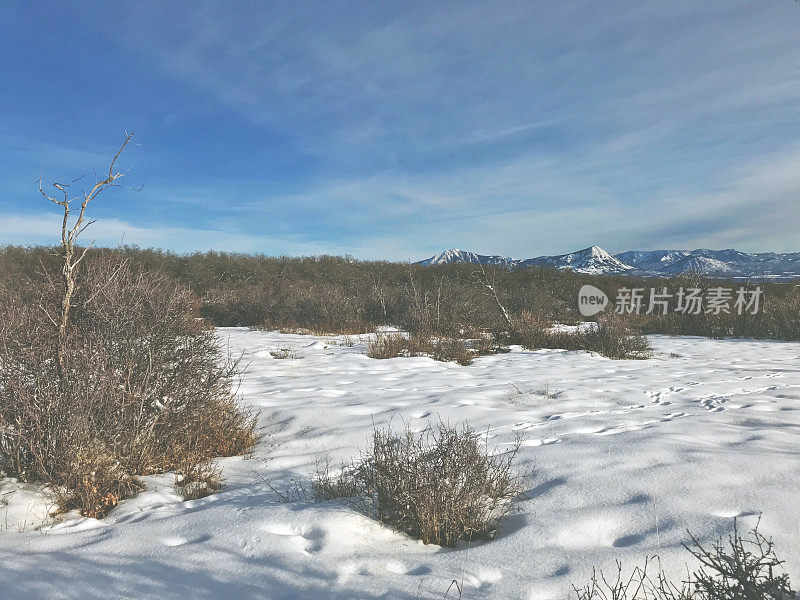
x,y
713,263
589,260
454,255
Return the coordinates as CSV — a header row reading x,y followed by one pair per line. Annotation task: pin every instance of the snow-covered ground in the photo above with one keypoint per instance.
x,y
620,457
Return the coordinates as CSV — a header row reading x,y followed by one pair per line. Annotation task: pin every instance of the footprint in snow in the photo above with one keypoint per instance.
x,y
176,541
483,578
540,442
309,539
672,416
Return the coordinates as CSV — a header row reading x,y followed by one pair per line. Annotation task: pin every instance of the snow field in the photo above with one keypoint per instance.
x,y
620,458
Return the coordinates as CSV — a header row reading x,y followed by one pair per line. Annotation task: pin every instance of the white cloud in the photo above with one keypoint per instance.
x,y
44,228
514,128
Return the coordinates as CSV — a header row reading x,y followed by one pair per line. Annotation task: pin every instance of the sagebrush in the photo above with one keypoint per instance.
x,y
440,486
392,345
141,381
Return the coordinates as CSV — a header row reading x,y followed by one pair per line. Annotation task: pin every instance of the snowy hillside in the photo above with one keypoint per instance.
x,y
620,458
703,265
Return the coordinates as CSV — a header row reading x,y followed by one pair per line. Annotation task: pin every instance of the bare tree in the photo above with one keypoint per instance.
x,y
489,285
379,291
70,258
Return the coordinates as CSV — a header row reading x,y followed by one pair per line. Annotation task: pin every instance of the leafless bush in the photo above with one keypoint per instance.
x,y
392,345
92,480
284,353
745,568
609,336
612,338
140,381
397,344
344,484
327,294
742,569
485,344
452,349
440,486
196,476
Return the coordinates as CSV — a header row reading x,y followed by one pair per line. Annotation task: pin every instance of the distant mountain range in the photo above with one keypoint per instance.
x,y
713,263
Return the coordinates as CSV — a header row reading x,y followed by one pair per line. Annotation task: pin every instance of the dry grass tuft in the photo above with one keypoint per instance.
x,y
197,477
440,486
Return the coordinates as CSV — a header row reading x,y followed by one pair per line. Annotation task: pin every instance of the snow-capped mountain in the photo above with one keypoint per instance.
x,y
716,263
703,265
455,255
589,260
652,260
727,263
779,264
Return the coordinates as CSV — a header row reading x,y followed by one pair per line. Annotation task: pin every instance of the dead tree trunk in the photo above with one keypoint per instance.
x,y
69,257
490,287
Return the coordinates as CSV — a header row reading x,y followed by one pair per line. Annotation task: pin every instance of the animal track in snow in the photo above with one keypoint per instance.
x,y
713,403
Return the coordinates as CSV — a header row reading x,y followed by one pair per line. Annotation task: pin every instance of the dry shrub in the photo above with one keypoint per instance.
x,y
326,294
196,476
485,344
345,484
613,339
609,336
143,381
284,353
392,345
93,481
743,569
417,344
440,486
452,349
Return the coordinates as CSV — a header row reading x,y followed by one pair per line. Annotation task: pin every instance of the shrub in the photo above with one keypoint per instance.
x,y
284,353
326,294
440,486
141,382
417,344
392,345
742,569
196,476
609,336
745,568
93,481
485,344
452,349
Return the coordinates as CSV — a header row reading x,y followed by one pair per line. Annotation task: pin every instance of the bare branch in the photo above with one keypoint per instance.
x,y
70,234
125,143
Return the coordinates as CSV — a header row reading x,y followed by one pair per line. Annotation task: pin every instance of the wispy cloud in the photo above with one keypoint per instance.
x,y
43,228
513,127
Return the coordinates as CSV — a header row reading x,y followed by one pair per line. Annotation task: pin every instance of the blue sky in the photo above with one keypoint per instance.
x,y
398,129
